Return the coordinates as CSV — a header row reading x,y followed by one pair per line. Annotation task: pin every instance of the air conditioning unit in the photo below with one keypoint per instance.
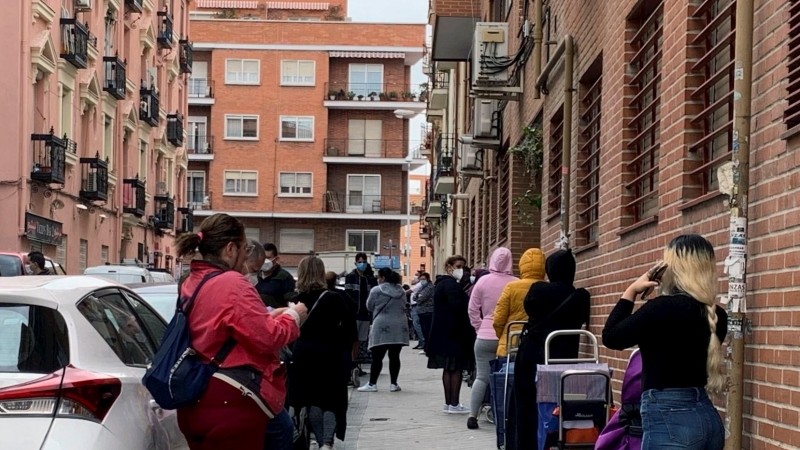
x,y
471,159
83,5
485,125
490,60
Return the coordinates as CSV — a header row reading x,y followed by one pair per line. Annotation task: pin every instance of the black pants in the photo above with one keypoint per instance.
x,y
425,322
378,353
525,412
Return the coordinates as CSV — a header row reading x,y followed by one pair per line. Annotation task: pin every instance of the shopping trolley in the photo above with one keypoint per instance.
x,y
624,429
501,377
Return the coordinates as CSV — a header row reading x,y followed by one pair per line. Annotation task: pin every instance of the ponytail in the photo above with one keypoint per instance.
x,y
714,362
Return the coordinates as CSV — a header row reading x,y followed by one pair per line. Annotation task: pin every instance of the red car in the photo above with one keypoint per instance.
x,y
12,264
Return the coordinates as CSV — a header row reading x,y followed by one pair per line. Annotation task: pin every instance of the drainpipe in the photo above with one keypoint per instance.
x,y
25,117
737,255
484,208
538,37
566,48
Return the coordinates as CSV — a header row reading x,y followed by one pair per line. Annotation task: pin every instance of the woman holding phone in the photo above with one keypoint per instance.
x,y
679,334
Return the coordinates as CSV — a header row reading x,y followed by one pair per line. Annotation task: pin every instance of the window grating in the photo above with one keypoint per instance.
x,y
589,155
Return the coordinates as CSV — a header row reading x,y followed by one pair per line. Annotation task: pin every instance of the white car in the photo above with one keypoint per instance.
x,y
121,274
73,351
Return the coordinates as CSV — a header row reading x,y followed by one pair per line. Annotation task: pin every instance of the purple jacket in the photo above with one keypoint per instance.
x,y
487,291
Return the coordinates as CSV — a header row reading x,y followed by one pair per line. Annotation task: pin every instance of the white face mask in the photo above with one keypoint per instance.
x,y
458,273
28,269
252,278
267,266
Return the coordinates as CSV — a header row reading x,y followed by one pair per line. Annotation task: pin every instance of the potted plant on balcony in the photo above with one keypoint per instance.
x,y
393,96
360,97
383,97
423,92
351,95
332,94
408,96
372,96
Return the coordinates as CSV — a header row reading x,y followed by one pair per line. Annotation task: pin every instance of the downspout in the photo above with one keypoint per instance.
x,y
484,208
25,117
538,37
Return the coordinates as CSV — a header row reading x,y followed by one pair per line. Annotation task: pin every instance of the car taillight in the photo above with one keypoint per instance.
x,y
81,393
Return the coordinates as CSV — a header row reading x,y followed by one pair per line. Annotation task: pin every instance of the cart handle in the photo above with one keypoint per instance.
x,y
554,334
510,335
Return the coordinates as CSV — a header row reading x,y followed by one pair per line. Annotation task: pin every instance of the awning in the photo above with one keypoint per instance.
x,y
308,6
373,55
235,4
452,38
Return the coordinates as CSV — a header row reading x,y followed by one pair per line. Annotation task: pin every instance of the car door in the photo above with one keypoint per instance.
x,y
154,328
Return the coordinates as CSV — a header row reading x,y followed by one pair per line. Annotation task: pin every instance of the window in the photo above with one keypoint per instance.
x,y
37,246
645,106
415,187
242,71
196,187
66,111
422,250
365,138
241,182
297,128
152,322
253,233
716,66
103,254
299,73
554,164
363,241
82,255
61,251
589,155
364,194
110,32
142,160
295,184
108,141
366,79
296,240
243,128
504,205
35,339
791,114
112,317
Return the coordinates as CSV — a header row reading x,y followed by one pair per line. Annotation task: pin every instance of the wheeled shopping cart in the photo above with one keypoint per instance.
x,y
501,382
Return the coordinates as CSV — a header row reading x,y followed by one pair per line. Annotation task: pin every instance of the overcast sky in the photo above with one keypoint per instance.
x,y
405,11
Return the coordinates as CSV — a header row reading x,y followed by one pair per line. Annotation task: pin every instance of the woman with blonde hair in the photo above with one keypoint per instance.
x,y
679,334
319,371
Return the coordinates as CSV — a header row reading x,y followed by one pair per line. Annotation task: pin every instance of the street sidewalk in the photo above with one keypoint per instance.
x,y
413,418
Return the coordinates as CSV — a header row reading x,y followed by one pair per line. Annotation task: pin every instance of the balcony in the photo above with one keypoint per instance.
x,y
114,81
164,218
443,174
370,151
136,6
199,199
49,158
175,129
187,220
425,232
133,196
200,147
374,96
356,202
187,55
164,30
149,105
94,180
74,42
201,91
441,86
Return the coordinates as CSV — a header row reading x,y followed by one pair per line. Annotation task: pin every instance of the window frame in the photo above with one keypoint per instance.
x,y
590,149
225,179
362,231
365,92
297,127
293,251
242,117
190,175
297,67
241,62
555,177
291,194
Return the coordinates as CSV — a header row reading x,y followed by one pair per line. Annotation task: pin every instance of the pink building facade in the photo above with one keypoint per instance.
x,y
94,164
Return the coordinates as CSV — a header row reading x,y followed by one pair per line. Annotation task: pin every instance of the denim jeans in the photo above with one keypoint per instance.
x,y
417,326
680,419
280,432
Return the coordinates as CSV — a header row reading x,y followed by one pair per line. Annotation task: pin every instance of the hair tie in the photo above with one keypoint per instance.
x,y
200,235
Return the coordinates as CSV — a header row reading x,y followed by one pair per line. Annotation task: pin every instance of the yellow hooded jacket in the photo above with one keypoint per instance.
x,y
510,307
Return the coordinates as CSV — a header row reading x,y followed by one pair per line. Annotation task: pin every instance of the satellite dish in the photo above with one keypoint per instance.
x,y
57,204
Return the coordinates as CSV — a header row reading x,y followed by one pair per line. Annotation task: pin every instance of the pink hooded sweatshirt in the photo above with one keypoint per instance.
x,y
487,292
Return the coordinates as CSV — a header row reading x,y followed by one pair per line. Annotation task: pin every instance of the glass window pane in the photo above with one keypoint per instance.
x,y
234,126
250,127
354,239
153,324
370,241
289,128
114,320
305,128
33,339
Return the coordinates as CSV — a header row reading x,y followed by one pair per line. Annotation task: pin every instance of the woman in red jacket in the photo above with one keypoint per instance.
x,y
228,306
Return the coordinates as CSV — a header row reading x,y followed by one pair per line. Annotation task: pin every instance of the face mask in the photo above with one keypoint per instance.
x,y
458,273
267,266
423,283
28,269
252,278
472,279
361,266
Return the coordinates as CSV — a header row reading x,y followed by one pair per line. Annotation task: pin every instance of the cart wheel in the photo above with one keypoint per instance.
x,y
490,415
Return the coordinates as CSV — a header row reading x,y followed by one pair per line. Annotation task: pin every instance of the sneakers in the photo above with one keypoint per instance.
x,y
355,379
460,409
368,388
472,423
326,447
394,388
446,409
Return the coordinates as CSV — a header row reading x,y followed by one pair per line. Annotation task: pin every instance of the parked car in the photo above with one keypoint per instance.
x,y
163,297
122,274
161,275
12,264
73,351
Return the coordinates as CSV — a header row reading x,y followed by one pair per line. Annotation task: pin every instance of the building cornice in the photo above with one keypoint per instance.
x,y
300,215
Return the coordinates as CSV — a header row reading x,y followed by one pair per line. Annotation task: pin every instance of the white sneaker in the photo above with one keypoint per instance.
x,y
446,409
394,388
313,446
327,447
368,388
460,409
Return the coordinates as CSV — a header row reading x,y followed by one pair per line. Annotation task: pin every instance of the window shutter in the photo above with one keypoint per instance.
x,y
287,181
306,71
250,69
356,134
374,138
253,233
304,183
294,240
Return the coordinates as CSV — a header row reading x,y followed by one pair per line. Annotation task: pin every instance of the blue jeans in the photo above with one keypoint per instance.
x,y
280,432
680,419
417,326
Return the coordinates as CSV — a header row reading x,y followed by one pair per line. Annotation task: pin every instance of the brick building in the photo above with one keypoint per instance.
x,y
418,250
646,124
299,124
95,102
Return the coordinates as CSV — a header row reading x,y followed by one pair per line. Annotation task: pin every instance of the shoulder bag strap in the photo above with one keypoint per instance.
x,y
315,305
188,305
553,313
223,352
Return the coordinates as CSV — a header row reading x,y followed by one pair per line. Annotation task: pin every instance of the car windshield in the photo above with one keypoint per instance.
x,y
33,339
164,304
10,266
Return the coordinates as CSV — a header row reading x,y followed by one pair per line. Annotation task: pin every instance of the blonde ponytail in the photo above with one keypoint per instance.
x,y
714,363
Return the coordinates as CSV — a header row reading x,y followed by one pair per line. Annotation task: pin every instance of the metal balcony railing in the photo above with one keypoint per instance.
x,y
200,144
74,42
175,129
114,80
441,80
165,29
149,105
384,92
199,199
370,148
187,55
201,88
49,158
357,202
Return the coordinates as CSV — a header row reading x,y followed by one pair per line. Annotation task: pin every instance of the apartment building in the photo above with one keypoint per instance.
x,y
416,248
94,129
605,133
299,124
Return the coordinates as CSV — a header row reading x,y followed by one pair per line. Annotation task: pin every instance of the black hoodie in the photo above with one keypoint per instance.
x,y
545,296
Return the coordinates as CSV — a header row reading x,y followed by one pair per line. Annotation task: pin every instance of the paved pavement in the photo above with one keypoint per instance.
x,y
411,419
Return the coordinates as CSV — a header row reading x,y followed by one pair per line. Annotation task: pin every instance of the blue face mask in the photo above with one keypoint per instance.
x,y
361,266
423,283
472,279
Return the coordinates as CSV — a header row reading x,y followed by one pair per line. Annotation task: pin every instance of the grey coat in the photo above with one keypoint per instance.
x,y
387,303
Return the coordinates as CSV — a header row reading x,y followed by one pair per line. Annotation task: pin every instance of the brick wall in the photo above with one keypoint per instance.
x,y
455,8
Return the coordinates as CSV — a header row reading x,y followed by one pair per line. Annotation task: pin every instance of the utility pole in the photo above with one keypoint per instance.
x,y
736,263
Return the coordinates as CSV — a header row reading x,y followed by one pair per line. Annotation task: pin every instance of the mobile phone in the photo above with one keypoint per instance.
x,y
655,274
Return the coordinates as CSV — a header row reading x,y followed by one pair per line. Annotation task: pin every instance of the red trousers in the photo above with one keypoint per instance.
x,y
223,419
